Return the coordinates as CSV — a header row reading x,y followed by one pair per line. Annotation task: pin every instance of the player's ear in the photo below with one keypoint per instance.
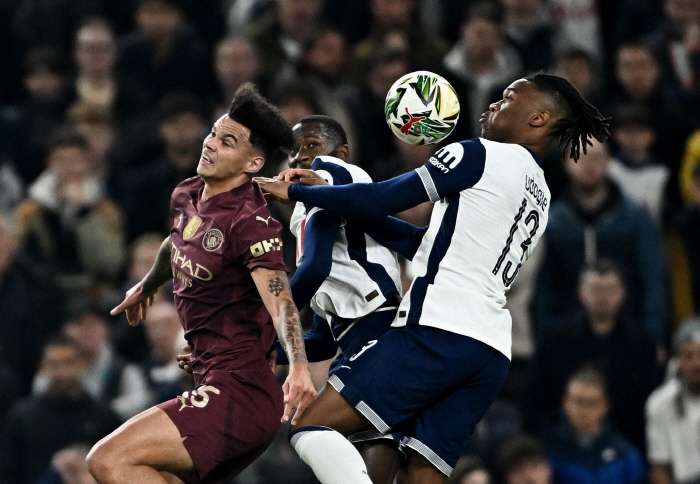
x,y
343,152
539,119
255,164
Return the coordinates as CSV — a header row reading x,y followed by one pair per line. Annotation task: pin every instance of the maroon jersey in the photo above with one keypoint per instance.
x,y
215,245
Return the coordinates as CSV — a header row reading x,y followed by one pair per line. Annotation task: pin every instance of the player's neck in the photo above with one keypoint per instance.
x,y
214,187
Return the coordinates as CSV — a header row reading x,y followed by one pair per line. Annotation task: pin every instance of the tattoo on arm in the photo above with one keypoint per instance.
x,y
161,272
289,330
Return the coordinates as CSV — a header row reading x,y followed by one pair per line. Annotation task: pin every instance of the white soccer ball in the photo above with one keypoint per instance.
x,y
421,108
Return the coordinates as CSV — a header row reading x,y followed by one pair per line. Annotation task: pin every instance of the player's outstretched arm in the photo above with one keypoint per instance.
x,y
139,297
355,199
276,294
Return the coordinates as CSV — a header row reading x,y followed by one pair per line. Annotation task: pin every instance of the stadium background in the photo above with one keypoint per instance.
x,y
104,104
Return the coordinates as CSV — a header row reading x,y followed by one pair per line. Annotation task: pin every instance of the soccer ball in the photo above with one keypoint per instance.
x,y
421,108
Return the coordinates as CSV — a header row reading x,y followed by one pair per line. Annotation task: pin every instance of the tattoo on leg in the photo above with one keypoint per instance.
x,y
276,286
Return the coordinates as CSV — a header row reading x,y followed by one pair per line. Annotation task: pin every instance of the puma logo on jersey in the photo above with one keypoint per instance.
x,y
364,348
266,220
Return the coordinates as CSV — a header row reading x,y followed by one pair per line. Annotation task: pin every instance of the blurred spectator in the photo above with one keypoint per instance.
x,y
624,353
673,414
164,54
40,425
482,61
11,392
67,225
166,338
321,68
68,466
469,470
584,448
31,306
579,25
529,27
676,44
684,256
49,22
393,25
282,32
580,68
182,129
593,220
691,161
131,342
236,61
522,460
635,168
106,376
96,82
377,139
638,75
97,127
242,13
295,100
23,127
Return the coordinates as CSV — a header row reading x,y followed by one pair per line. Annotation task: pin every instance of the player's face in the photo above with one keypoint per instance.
x,y
310,142
227,152
506,118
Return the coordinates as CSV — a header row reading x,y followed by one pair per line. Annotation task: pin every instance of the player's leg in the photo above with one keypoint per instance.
x,y
382,458
416,469
138,450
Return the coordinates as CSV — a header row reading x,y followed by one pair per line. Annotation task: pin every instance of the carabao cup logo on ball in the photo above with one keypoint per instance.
x,y
421,108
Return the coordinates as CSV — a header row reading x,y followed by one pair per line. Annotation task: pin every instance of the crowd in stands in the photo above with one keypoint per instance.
x,y
103,108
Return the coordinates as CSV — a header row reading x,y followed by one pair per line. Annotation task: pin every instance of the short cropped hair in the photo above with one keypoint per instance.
x,y
330,123
268,129
65,136
519,450
589,374
603,266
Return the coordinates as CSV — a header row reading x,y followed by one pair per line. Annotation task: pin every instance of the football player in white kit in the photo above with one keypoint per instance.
x,y
432,376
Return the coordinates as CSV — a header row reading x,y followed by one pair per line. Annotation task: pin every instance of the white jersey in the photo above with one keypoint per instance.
x,y
363,273
673,437
491,208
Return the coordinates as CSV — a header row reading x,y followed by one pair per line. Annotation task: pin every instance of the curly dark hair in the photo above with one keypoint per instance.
x,y
581,120
268,129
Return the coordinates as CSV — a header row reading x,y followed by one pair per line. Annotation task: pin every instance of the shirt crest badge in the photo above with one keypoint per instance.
x,y
191,227
212,240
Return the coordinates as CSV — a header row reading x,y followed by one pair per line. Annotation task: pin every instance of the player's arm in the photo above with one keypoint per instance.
x,y
317,260
395,234
139,297
454,168
319,342
276,294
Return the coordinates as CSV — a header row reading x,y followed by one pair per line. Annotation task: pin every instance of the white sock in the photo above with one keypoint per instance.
x,y
332,457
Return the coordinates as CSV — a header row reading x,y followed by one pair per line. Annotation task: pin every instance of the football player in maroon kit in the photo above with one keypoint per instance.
x,y
231,290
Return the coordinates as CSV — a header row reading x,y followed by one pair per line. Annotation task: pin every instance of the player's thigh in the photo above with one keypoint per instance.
x,y
441,431
382,458
331,410
150,438
416,469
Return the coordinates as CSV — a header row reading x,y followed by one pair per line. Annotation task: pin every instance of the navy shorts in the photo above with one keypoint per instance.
x,y
426,386
364,331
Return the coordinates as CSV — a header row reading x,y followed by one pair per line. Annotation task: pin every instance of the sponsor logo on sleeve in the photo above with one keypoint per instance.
x,y
448,157
266,246
266,220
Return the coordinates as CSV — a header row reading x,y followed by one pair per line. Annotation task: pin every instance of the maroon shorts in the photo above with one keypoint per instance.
x,y
228,421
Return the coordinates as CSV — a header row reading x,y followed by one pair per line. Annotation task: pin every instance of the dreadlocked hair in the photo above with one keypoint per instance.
x,y
581,122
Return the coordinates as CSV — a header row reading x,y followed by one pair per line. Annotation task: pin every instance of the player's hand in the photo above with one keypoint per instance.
x,y
135,304
184,361
298,391
276,188
302,177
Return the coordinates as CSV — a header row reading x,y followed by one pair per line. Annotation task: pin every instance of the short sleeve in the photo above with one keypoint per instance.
x,y
258,241
453,168
658,438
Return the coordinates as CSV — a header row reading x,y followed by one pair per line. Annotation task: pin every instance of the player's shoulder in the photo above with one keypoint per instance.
x,y
339,172
663,397
189,185
254,210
